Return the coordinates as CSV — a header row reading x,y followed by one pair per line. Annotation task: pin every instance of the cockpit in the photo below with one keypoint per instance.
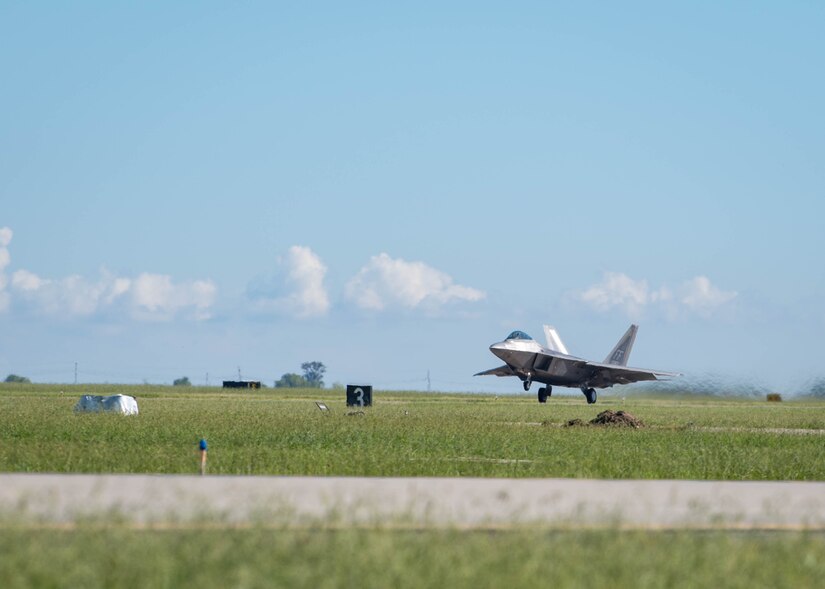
x,y
519,335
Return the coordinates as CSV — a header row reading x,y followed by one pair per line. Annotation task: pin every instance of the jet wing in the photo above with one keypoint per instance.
x,y
500,371
610,374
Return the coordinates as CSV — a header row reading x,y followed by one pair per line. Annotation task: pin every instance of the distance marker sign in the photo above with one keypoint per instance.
x,y
359,395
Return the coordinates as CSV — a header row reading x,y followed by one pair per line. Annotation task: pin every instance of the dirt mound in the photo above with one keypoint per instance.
x,y
609,417
622,418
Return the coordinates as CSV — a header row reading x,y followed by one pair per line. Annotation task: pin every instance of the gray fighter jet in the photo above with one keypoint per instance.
x,y
525,358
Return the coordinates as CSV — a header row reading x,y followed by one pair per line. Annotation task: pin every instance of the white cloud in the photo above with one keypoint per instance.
x,y
155,296
149,296
119,287
700,296
306,296
5,236
5,259
618,290
27,281
633,297
386,282
72,295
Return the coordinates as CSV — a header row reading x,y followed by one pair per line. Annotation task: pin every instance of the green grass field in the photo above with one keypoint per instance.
x,y
124,558
407,434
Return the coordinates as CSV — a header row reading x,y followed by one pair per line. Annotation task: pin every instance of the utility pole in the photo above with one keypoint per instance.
x,y
239,373
428,380
207,379
75,372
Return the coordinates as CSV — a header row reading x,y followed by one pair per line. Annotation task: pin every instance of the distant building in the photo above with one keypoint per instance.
x,y
242,384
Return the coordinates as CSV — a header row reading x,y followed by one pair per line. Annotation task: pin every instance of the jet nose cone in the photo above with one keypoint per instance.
x,y
498,349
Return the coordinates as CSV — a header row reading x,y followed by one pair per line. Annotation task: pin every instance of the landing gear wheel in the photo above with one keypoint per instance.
x,y
526,384
590,394
543,394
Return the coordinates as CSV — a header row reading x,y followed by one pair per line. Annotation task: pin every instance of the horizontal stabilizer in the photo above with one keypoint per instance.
x,y
500,371
606,375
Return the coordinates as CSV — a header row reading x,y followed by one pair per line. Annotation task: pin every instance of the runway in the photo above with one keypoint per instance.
x,y
178,500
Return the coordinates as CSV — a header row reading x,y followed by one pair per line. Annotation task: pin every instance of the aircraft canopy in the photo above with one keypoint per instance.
x,y
518,335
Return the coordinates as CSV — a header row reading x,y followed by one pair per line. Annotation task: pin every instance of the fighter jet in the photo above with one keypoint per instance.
x,y
525,358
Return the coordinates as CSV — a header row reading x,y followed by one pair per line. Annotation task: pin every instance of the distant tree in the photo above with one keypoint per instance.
x,y
314,374
291,381
182,382
15,378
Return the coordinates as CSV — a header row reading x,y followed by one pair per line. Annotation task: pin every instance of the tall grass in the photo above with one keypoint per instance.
x,y
127,558
407,434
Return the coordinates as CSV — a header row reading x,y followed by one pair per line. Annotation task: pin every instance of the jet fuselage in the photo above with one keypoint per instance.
x,y
529,360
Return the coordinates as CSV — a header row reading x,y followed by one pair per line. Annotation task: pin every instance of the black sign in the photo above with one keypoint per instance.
x,y
242,384
359,395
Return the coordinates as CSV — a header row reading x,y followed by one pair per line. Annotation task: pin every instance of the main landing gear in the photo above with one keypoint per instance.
x,y
545,392
590,395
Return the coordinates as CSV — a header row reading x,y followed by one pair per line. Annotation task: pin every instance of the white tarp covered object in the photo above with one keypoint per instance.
x,y
123,404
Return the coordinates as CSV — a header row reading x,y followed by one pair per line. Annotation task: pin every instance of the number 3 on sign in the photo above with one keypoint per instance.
x,y
359,395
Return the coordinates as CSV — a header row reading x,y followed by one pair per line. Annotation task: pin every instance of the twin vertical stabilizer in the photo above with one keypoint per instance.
x,y
554,341
621,352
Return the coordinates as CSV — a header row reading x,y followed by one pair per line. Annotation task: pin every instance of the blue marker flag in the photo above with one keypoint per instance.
x,y
202,445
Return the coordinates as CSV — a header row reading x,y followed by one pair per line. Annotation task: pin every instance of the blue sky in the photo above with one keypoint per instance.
x,y
194,188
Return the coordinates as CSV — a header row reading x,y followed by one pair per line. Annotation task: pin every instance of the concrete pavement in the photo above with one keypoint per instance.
x,y
158,500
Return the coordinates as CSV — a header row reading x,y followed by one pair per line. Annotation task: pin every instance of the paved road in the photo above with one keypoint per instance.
x,y
461,502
